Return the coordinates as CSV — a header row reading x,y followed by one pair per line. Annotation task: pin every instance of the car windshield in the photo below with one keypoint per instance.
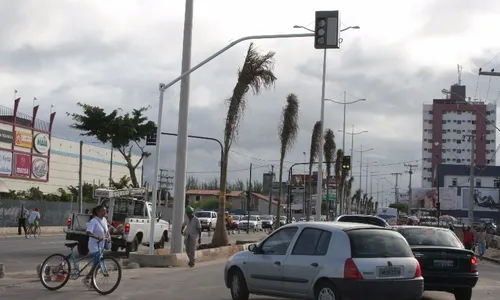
x,y
203,214
252,218
430,237
363,220
267,218
377,243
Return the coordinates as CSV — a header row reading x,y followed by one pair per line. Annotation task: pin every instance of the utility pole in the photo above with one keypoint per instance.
x,y
498,187
360,166
249,197
164,184
80,179
271,190
366,179
472,141
410,197
111,167
396,190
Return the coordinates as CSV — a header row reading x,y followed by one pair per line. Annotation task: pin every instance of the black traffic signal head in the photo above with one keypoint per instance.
x,y
248,194
346,163
326,31
438,205
291,198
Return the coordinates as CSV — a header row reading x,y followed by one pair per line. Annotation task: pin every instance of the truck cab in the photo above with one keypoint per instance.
x,y
129,216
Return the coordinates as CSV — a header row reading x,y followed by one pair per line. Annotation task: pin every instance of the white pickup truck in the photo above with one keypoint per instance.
x,y
130,219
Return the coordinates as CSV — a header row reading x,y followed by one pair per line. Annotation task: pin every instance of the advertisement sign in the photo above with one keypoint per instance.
x,y
485,199
5,163
428,197
22,165
24,139
39,168
6,136
41,143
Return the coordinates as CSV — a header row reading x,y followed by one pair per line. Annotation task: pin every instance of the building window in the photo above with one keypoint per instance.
x,y
454,182
495,183
478,183
198,198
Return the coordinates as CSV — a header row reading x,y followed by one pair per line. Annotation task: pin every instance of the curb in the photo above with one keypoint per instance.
x,y
493,260
23,237
160,260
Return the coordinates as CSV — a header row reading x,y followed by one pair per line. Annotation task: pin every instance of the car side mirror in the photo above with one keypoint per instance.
x,y
158,216
253,248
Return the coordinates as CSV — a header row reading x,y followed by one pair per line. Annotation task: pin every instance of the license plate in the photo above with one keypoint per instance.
x,y
389,271
443,263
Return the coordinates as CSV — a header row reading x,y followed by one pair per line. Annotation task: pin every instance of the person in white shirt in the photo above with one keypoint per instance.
x,y
97,230
33,220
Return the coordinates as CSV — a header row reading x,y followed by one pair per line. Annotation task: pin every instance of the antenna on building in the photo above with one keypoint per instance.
x,y
459,71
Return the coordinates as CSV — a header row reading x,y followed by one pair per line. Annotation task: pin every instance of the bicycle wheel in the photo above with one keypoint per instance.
x,y
57,266
104,272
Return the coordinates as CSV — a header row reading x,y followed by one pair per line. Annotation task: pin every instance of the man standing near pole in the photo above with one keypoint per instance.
x,y
191,230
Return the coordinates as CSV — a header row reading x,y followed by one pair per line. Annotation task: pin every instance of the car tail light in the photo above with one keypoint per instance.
x,y
127,228
351,271
68,222
418,271
473,264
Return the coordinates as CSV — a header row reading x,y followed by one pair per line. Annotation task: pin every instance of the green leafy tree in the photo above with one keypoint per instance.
x,y
313,154
401,207
123,132
255,75
288,130
123,183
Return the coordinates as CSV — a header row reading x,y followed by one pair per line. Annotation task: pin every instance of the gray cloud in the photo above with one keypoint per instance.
x,y
124,72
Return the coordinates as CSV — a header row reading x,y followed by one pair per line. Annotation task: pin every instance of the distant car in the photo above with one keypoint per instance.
x,y
363,219
254,223
446,265
326,260
208,219
236,221
267,221
283,220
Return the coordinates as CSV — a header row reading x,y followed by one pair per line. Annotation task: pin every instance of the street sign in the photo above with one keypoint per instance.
x,y
151,140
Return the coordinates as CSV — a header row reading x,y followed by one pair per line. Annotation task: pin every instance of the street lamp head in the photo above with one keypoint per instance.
x,y
355,27
362,99
445,91
297,26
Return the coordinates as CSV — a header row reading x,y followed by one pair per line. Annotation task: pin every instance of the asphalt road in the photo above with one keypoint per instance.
x,y
19,254
202,282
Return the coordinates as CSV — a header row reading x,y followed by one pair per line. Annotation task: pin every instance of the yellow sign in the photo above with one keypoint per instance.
x,y
23,139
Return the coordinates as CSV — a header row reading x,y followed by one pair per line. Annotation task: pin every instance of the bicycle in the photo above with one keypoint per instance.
x,y
34,229
72,270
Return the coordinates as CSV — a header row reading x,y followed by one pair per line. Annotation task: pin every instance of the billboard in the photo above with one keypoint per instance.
x,y
485,199
428,197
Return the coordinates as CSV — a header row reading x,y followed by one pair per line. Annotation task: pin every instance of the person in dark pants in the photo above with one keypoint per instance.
x,y
23,214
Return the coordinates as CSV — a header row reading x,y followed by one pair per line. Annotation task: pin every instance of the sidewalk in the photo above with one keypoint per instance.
x,y
492,255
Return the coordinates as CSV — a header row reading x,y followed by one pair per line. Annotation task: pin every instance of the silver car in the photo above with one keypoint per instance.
x,y
327,260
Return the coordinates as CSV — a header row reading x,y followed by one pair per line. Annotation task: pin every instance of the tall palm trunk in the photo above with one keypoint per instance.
x,y
313,154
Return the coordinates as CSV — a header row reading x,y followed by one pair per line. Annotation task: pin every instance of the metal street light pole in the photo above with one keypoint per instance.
x,y
361,151
322,121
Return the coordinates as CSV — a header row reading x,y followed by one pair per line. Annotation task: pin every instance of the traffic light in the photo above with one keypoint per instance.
x,y
438,206
291,198
346,163
248,194
326,31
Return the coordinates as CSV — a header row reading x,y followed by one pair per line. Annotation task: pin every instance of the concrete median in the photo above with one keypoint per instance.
x,y
12,231
161,259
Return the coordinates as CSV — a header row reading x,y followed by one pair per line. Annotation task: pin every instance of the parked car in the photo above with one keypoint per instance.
x,y
236,221
446,265
254,223
326,260
208,219
267,221
363,219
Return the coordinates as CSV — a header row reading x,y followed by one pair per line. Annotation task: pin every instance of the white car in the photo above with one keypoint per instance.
x,y
254,224
208,219
327,260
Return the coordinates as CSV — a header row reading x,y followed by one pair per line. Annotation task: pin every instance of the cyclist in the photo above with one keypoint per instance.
x,y
33,220
98,230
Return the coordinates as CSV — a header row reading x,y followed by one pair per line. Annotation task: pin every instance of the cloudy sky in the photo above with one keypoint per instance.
x,y
114,54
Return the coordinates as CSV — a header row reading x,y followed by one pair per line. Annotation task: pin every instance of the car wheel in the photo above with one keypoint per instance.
x,y
161,243
132,246
114,247
209,227
325,290
238,286
463,294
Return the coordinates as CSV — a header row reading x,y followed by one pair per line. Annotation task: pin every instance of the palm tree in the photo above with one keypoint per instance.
x,y
288,129
255,75
347,191
356,200
313,154
329,150
338,174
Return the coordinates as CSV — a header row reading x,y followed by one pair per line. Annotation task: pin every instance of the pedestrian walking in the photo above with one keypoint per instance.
x,y
468,238
191,230
481,242
23,214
